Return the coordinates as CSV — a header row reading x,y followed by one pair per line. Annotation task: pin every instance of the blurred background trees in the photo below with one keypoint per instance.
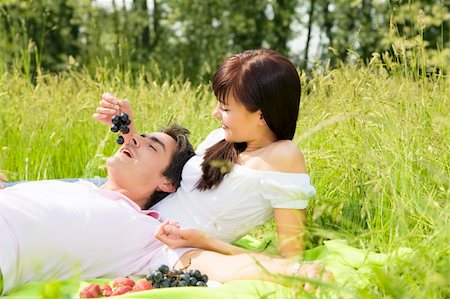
x,y
190,38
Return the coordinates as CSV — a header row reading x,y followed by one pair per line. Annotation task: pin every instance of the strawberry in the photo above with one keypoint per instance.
x,y
105,290
123,281
90,291
121,290
142,285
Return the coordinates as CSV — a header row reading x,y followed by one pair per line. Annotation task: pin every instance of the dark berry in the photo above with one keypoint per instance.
x,y
184,277
165,283
164,269
115,119
192,281
181,283
157,276
120,140
200,284
124,118
124,129
204,278
196,274
128,122
115,128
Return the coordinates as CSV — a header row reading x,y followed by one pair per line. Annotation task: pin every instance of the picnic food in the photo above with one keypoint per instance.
x,y
120,286
120,123
163,277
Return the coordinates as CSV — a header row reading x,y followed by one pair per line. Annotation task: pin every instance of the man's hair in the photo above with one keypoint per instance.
x,y
182,153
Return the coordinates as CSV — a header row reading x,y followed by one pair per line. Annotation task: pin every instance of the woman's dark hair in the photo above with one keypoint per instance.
x,y
257,79
182,153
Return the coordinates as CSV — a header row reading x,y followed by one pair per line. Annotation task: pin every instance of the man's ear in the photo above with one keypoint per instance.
x,y
166,186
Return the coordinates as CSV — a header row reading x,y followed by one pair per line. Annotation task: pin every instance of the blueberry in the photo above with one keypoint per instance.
x,y
181,283
185,277
120,140
200,284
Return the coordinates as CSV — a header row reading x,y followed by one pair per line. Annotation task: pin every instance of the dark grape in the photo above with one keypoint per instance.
x,y
164,277
157,276
164,269
165,283
196,274
192,281
115,129
124,129
120,140
124,118
115,120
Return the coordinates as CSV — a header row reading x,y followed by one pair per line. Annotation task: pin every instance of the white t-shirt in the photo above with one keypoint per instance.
x,y
242,201
57,230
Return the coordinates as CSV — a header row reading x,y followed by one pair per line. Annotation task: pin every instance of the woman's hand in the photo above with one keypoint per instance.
x,y
170,233
110,106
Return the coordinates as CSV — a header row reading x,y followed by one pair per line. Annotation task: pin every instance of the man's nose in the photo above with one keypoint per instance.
x,y
134,140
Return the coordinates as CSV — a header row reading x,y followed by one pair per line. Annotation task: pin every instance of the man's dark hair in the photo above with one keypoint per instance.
x,y
182,153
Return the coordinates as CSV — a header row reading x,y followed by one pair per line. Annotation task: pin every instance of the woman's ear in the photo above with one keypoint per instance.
x,y
262,121
166,186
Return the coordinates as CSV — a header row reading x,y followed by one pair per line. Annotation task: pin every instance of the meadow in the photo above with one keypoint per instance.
x,y
376,145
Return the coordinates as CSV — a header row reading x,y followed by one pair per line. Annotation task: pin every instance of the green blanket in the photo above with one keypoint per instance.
x,y
352,268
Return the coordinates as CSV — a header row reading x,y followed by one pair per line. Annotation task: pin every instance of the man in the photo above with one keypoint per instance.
x,y
56,230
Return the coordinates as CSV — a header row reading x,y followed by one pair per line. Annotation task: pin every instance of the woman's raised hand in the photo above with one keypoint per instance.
x,y
110,106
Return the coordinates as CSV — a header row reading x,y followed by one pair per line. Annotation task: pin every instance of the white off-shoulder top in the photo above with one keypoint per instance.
x,y
244,199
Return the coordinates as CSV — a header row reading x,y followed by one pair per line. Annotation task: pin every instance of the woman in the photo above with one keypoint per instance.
x,y
249,170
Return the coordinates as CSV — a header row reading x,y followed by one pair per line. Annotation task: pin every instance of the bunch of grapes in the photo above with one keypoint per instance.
x,y
120,123
163,277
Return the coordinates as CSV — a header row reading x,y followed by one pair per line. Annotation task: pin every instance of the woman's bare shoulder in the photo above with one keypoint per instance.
x,y
285,156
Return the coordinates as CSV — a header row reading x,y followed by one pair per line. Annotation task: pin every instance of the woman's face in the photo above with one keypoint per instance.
x,y
239,124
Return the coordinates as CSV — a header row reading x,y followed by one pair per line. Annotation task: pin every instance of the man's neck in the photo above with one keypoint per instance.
x,y
141,201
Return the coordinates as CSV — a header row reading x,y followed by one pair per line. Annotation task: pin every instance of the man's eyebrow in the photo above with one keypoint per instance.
x,y
155,139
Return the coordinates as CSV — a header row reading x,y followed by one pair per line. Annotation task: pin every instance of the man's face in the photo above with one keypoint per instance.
x,y
139,163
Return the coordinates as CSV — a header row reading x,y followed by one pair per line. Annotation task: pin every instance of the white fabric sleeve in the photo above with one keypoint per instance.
x,y
287,190
213,137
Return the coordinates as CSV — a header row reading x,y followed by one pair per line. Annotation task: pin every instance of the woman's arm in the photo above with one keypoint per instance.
x,y
173,236
290,226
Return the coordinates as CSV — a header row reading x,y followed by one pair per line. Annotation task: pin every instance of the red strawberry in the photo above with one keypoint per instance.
x,y
123,281
121,290
106,290
90,291
142,285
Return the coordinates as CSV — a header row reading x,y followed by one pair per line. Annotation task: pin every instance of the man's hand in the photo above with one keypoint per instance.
x,y
170,233
110,106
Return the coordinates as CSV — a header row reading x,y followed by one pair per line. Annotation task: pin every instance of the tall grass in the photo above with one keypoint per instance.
x,y
376,145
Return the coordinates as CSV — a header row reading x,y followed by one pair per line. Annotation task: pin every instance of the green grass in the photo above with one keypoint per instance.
x,y
376,145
